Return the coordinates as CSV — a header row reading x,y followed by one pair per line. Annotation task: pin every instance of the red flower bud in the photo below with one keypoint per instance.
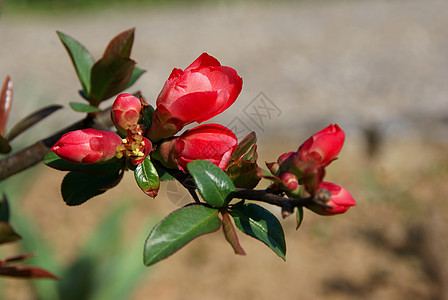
x,y
87,146
125,112
289,181
323,146
211,142
340,200
197,94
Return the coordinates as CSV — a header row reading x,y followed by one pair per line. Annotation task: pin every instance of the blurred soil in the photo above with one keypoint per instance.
x,y
377,68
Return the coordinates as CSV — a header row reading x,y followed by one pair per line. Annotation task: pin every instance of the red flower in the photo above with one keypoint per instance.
x,y
323,146
125,112
340,200
211,142
197,94
87,146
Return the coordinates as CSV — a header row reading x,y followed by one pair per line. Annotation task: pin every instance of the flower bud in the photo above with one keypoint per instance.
x,y
87,146
200,92
211,142
289,181
125,112
340,200
323,146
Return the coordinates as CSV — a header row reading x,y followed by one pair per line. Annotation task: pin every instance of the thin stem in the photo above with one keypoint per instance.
x,y
287,204
185,179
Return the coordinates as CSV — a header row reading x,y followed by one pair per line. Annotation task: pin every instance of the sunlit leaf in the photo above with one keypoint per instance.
x,y
147,177
178,229
81,59
31,120
110,75
213,184
5,103
244,174
83,107
244,146
121,44
262,225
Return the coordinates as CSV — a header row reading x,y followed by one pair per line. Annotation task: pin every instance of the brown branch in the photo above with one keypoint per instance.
x,y
31,155
287,204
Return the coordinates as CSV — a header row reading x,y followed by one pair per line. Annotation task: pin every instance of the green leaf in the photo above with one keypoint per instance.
x,y
7,234
230,234
244,174
121,44
244,146
299,216
5,103
4,209
213,184
262,225
147,177
148,111
77,188
31,120
83,107
81,59
4,145
136,73
110,75
178,229
54,161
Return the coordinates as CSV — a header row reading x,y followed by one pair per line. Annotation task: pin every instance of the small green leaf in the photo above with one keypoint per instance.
x,y
7,234
178,229
244,174
262,225
54,161
121,44
83,107
213,184
136,73
31,120
4,209
4,146
299,216
244,146
5,103
110,75
77,188
81,59
147,177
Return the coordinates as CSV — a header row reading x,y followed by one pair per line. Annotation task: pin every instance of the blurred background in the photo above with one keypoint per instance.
x,y
379,69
